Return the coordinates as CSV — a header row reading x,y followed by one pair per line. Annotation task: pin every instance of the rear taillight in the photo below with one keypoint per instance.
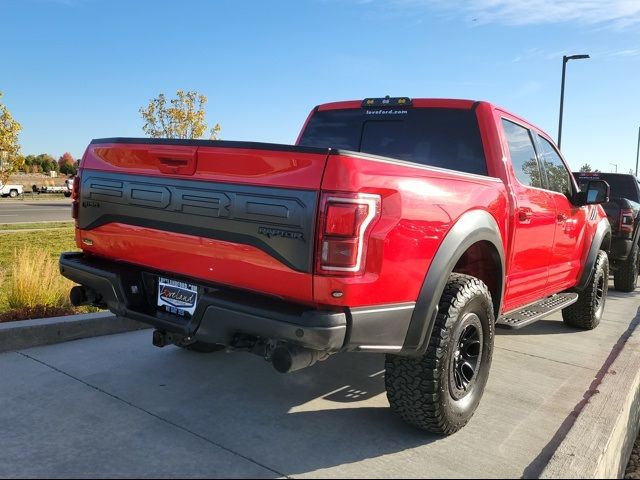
x,y
344,226
626,220
75,195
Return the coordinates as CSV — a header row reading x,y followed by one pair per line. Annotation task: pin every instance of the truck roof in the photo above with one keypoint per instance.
x,y
465,104
416,102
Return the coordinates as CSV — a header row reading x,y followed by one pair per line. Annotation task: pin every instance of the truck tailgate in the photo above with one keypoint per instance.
x,y
230,213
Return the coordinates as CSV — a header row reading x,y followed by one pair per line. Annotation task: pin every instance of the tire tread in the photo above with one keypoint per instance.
x,y
625,275
414,385
582,313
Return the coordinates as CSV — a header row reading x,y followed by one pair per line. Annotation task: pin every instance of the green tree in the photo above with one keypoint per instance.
x,y
182,117
46,163
10,158
586,168
531,169
557,177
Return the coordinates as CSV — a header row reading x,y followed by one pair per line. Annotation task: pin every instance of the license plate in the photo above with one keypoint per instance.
x,y
177,297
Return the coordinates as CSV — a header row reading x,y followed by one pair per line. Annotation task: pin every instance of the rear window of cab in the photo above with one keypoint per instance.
x,y
438,137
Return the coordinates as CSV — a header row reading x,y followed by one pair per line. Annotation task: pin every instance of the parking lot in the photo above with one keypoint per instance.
x,y
116,406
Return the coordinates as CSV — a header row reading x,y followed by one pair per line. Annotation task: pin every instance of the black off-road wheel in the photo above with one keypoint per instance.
x,y
625,277
440,391
202,347
587,312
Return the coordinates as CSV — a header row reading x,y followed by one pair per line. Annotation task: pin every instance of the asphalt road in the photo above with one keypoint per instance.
x,y
116,406
24,211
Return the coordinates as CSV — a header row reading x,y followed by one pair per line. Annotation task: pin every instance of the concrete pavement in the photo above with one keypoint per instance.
x,y
116,406
24,211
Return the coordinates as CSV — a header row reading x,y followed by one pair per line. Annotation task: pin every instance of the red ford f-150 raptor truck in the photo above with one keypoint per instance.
x,y
623,212
406,227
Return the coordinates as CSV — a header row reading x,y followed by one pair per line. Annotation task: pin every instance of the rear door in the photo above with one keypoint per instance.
x,y
534,225
570,220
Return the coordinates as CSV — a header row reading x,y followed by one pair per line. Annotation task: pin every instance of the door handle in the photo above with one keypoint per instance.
x,y
524,215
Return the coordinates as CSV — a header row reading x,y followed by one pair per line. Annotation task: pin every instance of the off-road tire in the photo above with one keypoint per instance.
x,y
13,193
587,312
202,347
625,276
421,390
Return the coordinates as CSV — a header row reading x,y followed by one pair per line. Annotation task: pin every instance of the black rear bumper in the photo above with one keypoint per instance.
x,y
220,314
223,314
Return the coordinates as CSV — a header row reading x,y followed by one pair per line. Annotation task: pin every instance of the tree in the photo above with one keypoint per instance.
x,y
10,159
532,170
183,117
67,164
586,168
46,162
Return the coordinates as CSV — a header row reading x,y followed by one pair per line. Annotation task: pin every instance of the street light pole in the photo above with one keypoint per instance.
x,y
615,165
565,59
638,151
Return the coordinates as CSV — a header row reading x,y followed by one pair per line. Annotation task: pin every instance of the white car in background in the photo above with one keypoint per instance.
x,y
11,190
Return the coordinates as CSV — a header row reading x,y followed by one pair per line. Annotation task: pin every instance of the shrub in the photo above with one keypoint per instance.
x,y
36,281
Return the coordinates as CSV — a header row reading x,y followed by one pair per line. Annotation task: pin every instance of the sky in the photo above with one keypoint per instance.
x,y
73,70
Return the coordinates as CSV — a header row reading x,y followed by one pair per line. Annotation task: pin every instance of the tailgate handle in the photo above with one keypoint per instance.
x,y
178,161
174,162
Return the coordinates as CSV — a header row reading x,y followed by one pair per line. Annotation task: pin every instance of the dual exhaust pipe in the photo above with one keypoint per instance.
x,y
80,296
284,357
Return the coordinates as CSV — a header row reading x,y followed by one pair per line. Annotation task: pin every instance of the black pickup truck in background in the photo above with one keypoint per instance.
x,y
623,211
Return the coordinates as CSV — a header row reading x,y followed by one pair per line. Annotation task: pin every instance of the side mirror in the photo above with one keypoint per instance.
x,y
597,191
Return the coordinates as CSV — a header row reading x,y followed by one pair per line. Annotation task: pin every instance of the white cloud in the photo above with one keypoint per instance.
x,y
618,13
630,52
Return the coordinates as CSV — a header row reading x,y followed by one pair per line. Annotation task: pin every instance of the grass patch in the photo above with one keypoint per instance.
x,y
40,270
35,281
28,195
36,312
33,226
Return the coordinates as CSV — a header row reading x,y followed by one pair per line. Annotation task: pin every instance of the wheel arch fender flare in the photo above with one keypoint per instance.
x,y
472,227
602,230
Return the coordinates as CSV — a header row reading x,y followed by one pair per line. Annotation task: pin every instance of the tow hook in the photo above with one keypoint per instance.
x,y
162,339
159,339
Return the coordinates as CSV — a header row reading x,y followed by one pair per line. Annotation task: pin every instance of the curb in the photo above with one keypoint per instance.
x,y
600,442
46,331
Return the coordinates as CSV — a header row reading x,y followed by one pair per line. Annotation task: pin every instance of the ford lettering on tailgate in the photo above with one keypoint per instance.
x,y
277,220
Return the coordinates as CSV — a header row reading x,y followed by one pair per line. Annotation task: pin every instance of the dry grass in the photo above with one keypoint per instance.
x,y
49,242
35,280
30,283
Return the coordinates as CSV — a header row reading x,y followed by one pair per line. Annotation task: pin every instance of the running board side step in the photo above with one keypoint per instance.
x,y
536,311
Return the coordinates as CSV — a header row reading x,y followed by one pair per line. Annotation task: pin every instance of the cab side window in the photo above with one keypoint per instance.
x,y
557,173
523,154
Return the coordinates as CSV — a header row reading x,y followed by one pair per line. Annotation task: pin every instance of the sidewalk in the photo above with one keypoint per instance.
x,y
116,406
